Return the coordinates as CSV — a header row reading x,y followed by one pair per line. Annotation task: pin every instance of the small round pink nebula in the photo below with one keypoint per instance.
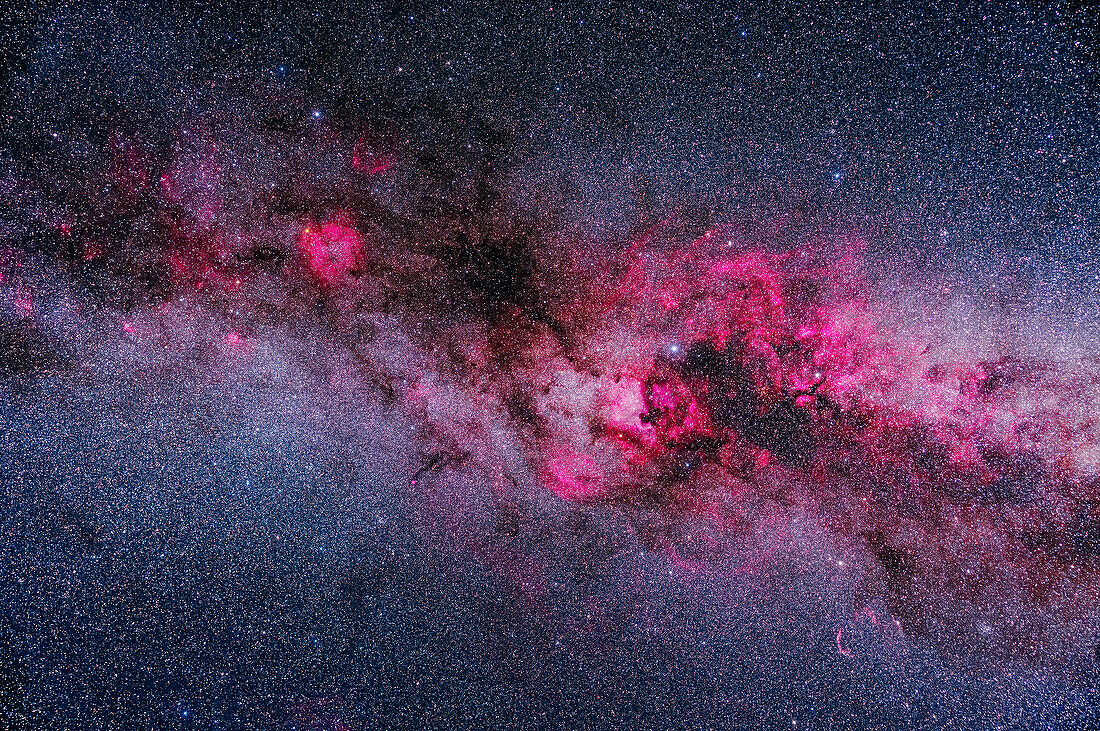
x,y
331,249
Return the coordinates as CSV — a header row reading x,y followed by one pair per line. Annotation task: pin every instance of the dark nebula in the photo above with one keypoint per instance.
x,y
618,367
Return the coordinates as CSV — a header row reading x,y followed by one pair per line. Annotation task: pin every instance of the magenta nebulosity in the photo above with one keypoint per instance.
x,y
779,388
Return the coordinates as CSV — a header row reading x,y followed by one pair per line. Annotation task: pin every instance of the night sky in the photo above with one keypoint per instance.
x,y
581,367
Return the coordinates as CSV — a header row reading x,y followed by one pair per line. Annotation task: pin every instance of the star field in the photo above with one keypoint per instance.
x,y
438,366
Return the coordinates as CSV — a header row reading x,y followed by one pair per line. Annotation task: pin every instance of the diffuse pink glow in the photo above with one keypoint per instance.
x,y
575,476
332,249
762,381
780,374
373,154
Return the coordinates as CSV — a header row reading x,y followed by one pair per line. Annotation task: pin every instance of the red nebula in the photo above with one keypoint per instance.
x,y
775,384
575,476
332,250
373,155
